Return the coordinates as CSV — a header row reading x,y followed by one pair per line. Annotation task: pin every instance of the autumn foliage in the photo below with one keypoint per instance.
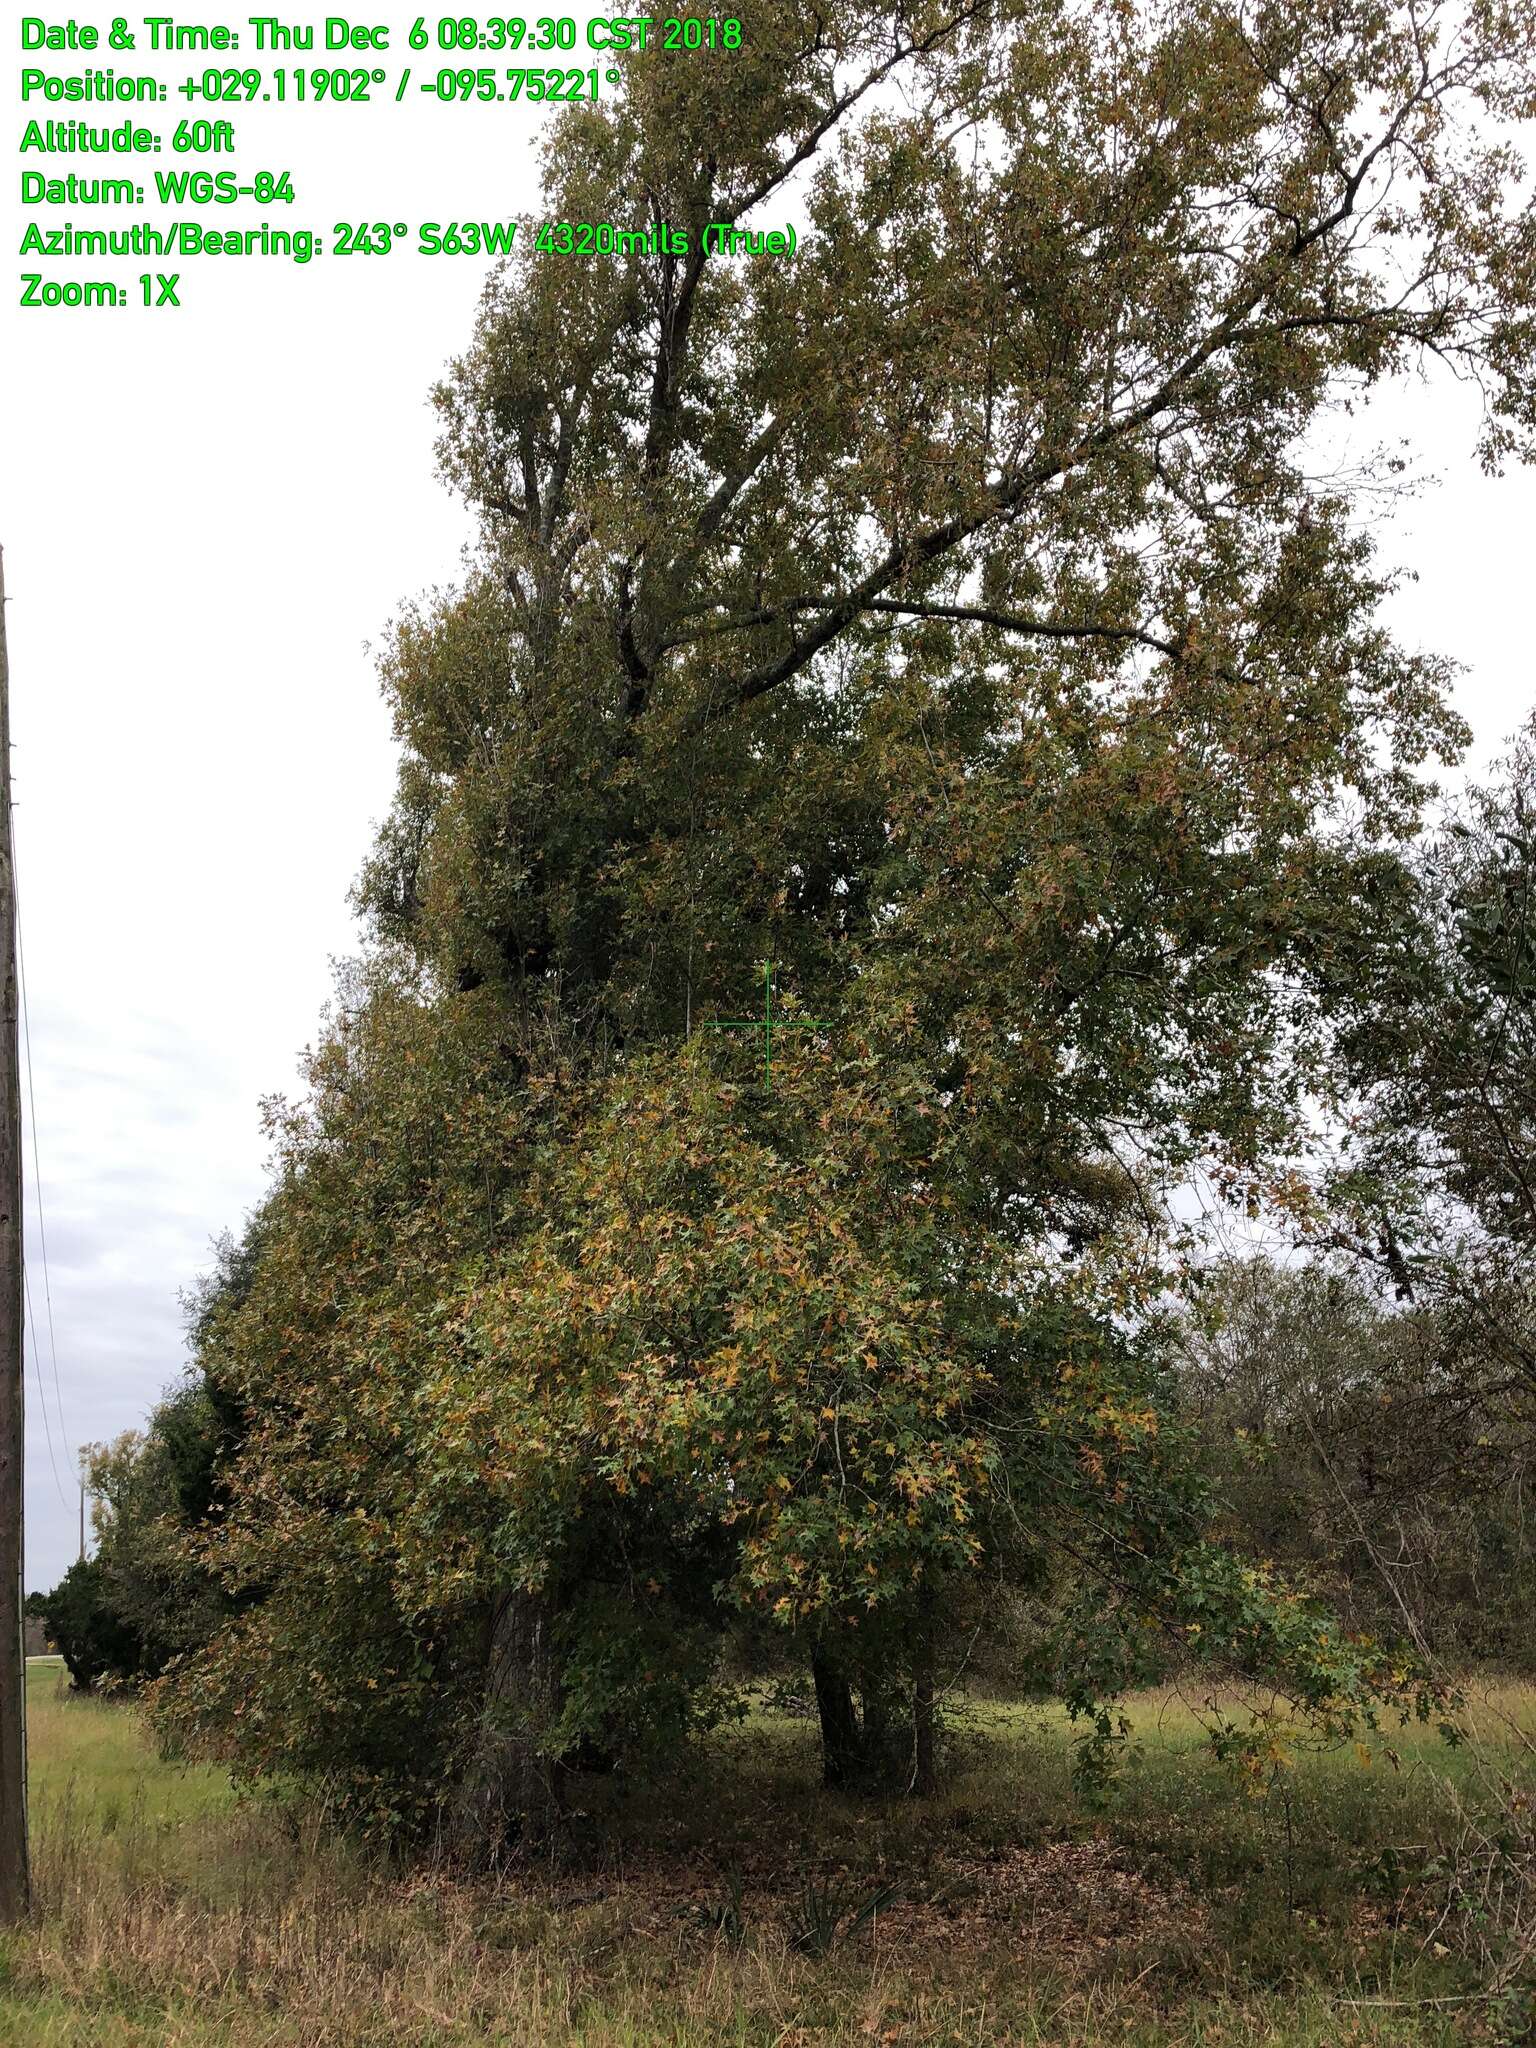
x,y
954,617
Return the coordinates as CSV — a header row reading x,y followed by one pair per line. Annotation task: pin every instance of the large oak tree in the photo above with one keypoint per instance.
x,y
972,614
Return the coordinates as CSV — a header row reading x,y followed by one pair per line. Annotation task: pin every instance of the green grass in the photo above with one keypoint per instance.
x,y
93,1755
1184,1913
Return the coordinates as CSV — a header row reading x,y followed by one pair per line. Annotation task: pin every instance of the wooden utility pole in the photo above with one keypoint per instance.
x,y
85,1487
15,1889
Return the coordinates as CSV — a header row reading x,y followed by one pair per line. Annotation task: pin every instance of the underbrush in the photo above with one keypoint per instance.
x,y
736,1902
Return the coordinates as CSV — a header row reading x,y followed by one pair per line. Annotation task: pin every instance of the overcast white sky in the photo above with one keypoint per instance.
x,y
205,514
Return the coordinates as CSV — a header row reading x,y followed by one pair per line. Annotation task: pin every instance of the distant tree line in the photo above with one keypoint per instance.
x,y
120,1616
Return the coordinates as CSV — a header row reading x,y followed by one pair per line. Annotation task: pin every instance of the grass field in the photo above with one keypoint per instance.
x,y
1187,1911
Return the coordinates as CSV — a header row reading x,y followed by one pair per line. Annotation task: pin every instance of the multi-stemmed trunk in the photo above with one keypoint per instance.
x,y
863,1745
842,1746
508,1801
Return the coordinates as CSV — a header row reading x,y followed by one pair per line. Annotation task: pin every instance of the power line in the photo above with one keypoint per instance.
x,y
37,1171
37,1374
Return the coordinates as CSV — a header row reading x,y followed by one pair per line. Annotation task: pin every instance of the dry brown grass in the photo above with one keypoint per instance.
x,y
171,1915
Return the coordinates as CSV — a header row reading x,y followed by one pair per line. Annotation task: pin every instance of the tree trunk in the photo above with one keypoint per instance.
x,y
840,1746
875,1708
925,1775
508,1798
884,1765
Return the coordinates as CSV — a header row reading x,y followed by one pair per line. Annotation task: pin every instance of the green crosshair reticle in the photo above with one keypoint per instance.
x,y
769,1025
